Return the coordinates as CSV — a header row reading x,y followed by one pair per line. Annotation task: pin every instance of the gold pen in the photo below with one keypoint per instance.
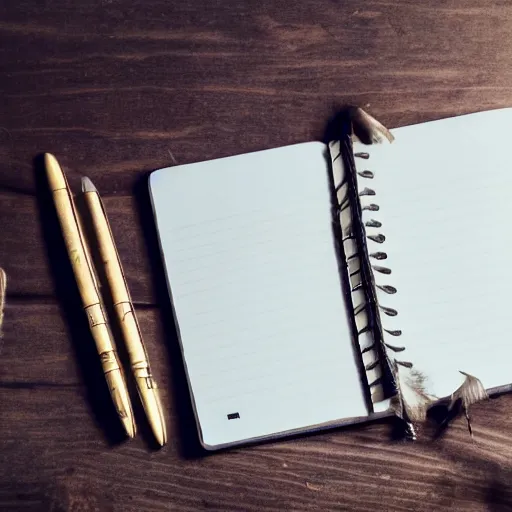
x,y
78,252
123,306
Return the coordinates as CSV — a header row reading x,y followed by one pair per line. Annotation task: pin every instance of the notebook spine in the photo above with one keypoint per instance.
x,y
352,260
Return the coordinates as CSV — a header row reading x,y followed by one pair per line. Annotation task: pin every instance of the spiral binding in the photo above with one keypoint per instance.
x,y
363,244
366,308
364,267
379,238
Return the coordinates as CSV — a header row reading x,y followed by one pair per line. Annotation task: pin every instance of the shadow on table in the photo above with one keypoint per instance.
x,y
478,480
66,291
187,430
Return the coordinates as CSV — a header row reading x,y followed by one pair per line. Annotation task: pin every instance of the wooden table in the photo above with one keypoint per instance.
x,y
117,88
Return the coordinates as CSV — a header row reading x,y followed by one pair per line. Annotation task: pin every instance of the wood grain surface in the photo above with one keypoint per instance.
x,y
117,88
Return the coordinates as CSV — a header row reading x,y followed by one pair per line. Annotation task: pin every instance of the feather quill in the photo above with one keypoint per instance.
x,y
411,401
470,392
367,129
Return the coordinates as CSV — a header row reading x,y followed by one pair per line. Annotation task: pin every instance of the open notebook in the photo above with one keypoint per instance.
x,y
258,274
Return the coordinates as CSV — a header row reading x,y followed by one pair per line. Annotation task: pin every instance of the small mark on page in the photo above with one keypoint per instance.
x,y
234,416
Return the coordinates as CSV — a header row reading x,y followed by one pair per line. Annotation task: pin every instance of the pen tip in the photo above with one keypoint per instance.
x,y
50,160
160,436
129,424
88,185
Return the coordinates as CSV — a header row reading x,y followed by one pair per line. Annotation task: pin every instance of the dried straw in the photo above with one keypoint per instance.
x,y
3,286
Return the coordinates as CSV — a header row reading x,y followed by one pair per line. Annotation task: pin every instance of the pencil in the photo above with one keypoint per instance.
x,y
78,252
125,312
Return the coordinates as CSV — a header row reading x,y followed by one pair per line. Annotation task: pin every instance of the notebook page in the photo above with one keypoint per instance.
x,y
248,248
444,191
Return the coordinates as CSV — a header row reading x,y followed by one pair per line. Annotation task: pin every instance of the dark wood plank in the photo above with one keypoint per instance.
x,y
116,89
53,453
31,235
51,360
348,470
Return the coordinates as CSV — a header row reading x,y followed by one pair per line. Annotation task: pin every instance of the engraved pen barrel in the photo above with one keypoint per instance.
x,y
131,331
116,279
101,335
125,313
89,293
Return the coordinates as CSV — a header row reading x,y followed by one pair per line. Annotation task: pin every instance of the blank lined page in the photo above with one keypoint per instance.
x,y
250,259
444,189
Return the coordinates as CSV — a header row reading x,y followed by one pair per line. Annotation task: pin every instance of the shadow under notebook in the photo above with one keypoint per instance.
x,y
187,430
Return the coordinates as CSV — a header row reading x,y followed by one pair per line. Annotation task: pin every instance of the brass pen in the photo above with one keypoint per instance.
x,y
125,312
78,252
